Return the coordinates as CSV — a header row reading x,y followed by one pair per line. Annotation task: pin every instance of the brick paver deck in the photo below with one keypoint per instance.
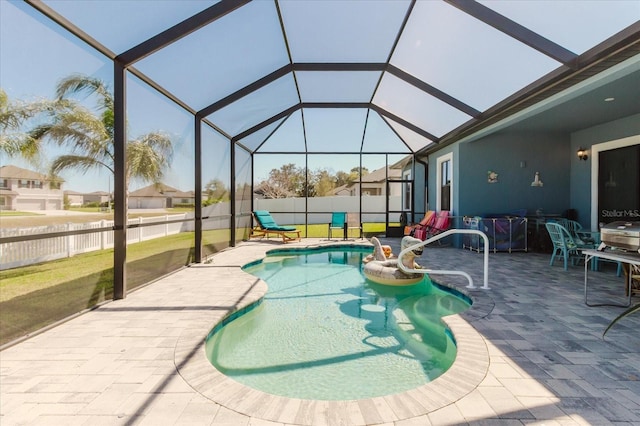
x,y
530,352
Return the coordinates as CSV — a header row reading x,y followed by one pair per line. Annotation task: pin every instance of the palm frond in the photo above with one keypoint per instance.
x,y
14,114
78,83
631,310
149,156
76,162
13,144
77,128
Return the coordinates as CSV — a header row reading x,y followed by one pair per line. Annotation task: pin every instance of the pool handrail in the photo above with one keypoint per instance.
x,y
485,286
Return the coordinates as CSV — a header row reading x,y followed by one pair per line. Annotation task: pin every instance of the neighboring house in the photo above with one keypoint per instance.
x,y
100,197
159,196
342,190
374,183
74,198
26,190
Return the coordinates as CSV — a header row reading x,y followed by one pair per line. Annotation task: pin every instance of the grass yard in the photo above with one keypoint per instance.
x,y
11,213
34,296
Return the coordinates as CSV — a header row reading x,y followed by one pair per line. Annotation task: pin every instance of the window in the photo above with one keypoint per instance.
x,y
406,190
4,183
444,182
23,183
54,185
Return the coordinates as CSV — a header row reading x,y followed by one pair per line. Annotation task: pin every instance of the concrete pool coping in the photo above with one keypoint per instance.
x,y
466,373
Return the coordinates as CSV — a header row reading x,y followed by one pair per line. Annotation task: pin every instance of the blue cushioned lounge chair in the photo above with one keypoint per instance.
x,y
266,226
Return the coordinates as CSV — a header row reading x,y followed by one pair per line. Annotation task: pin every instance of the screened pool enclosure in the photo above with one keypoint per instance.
x,y
298,107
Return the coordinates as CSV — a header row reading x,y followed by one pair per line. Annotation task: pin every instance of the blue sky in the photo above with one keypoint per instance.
x,y
35,53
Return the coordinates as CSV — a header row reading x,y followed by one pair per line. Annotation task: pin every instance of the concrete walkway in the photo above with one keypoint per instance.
x,y
530,352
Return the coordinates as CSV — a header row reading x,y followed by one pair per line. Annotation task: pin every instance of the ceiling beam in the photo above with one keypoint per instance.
x,y
436,93
258,84
266,122
339,66
515,30
338,105
180,30
405,123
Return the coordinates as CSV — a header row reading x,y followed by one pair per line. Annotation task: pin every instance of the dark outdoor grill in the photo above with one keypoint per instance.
x,y
623,235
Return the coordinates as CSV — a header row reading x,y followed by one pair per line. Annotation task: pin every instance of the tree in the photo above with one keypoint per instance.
x,y
13,115
344,178
90,137
215,191
288,181
323,183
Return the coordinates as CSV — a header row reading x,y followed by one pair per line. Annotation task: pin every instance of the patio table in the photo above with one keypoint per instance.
x,y
616,256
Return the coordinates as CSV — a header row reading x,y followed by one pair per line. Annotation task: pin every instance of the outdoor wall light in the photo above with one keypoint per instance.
x,y
582,154
536,180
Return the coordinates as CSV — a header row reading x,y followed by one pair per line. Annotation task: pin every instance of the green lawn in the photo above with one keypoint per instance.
x,y
10,213
35,296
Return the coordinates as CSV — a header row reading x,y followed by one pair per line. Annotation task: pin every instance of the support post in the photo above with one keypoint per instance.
x,y
198,189
120,184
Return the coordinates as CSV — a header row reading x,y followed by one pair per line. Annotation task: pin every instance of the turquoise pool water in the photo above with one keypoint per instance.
x,y
325,332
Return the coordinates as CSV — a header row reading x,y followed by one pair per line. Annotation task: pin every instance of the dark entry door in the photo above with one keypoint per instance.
x,y
619,184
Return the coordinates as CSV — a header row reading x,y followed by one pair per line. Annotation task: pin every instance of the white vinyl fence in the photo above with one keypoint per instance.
x,y
295,208
23,253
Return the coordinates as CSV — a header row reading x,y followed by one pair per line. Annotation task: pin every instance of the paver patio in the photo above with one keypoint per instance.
x,y
535,355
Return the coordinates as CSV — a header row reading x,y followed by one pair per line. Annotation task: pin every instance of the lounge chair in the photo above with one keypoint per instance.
x,y
440,224
338,221
426,221
267,226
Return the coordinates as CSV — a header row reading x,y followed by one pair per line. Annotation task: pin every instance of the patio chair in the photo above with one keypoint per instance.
x,y
338,221
575,229
440,224
427,220
353,222
634,270
586,239
564,246
267,226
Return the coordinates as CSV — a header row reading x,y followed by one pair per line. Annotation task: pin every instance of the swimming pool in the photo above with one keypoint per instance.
x,y
323,332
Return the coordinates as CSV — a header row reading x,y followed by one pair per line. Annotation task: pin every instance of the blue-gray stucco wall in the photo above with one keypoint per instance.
x,y
516,156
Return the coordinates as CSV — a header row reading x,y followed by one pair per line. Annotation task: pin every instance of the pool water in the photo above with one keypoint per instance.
x,y
324,332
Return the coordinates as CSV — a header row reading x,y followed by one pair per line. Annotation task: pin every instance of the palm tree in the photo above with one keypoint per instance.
x,y
13,116
90,136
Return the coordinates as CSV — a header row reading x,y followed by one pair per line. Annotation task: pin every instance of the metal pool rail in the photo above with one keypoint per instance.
x,y
485,286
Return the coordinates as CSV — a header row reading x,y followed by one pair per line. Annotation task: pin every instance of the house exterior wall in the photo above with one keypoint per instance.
x,y
95,198
515,157
75,200
147,202
37,197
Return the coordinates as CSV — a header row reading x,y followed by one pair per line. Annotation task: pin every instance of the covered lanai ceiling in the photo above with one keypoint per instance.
x,y
396,76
